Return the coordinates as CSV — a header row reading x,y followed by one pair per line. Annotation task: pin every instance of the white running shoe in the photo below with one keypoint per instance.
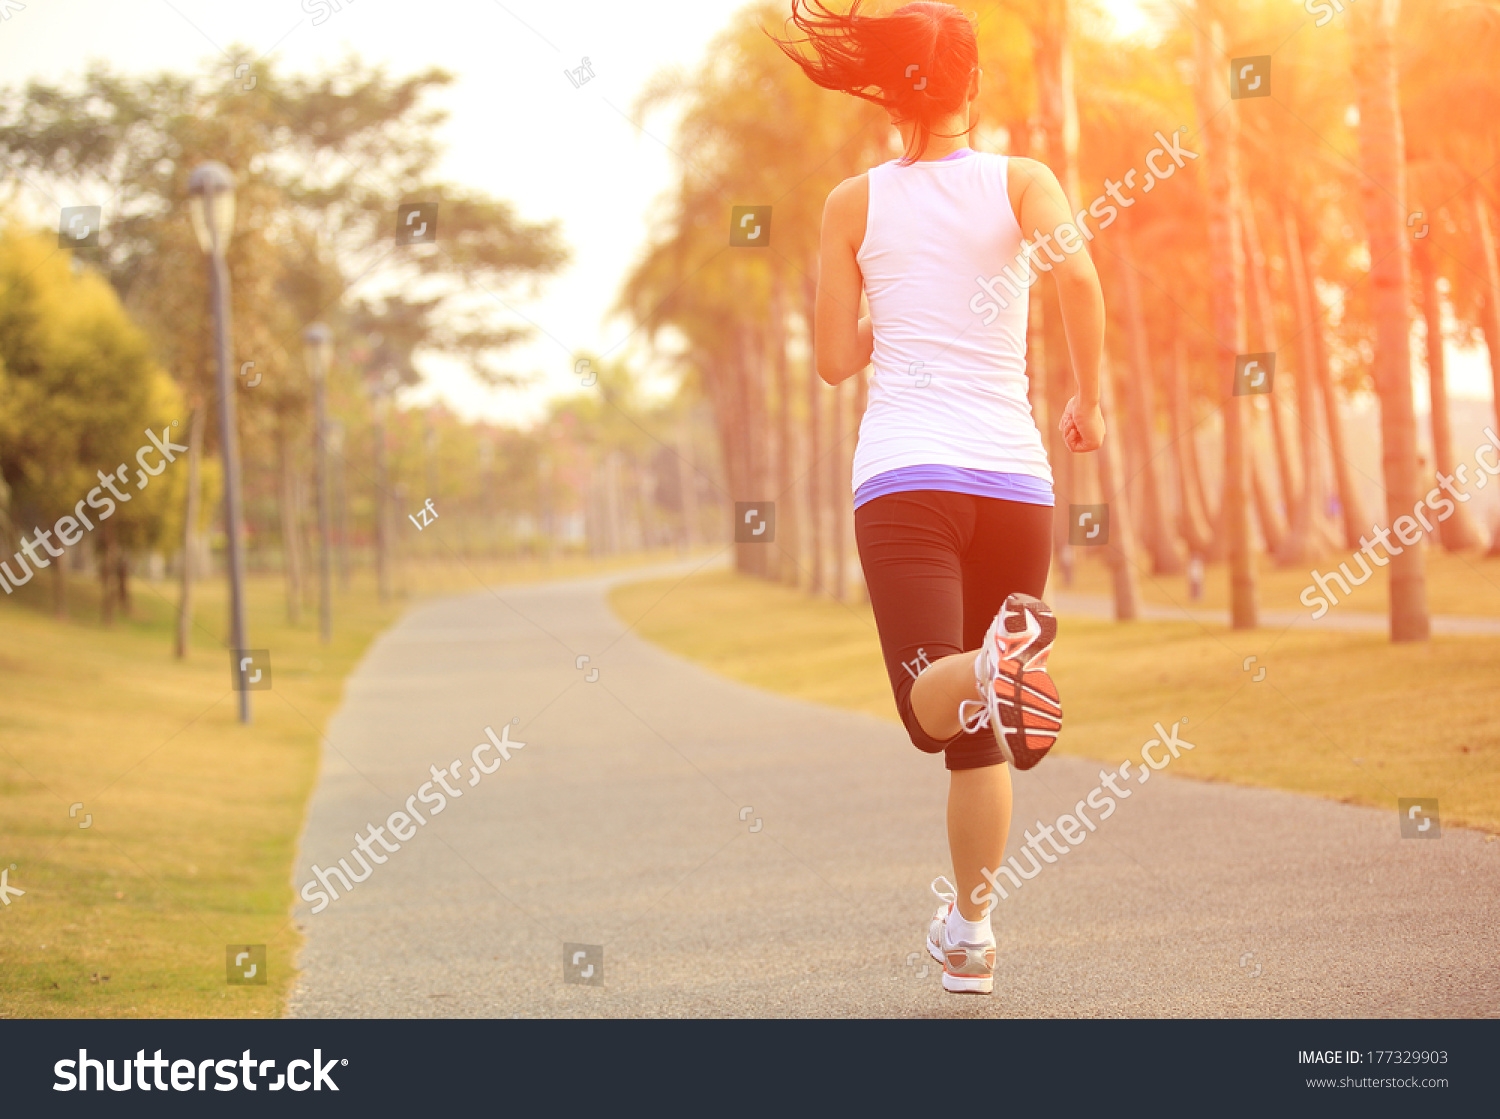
x,y
967,968
1021,706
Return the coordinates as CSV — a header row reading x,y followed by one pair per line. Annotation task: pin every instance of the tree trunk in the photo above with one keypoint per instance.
x,y
1351,508
1485,233
108,576
1121,551
1193,521
59,588
1297,549
1227,283
291,550
786,504
814,445
1458,532
1264,494
1265,314
1140,413
1057,118
190,517
687,481
758,442
1383,185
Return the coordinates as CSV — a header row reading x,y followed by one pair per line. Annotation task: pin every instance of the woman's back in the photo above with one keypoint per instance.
x,y
949,385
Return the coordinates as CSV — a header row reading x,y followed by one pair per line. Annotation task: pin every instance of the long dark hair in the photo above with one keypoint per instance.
x,y
915,61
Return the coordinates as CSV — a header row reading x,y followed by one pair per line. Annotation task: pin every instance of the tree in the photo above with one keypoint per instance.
x,y
77,396
1220,126
1383,162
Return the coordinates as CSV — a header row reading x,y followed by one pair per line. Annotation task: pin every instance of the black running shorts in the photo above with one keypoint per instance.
x,y
938,567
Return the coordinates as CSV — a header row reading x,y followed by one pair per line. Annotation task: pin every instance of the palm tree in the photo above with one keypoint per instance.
x,y
1057,113
1226,287
1383,162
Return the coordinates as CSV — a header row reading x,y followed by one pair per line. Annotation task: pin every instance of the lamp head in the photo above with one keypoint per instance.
x,y
317,345
211,205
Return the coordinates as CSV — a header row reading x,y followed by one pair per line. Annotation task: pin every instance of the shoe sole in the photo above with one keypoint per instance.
x,y
961,984
1026,708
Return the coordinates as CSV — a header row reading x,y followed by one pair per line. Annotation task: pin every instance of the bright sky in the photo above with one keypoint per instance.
x,y
519,128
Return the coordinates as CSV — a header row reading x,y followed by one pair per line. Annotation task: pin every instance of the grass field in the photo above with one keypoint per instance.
x,y
1467,583
193,819
1345,716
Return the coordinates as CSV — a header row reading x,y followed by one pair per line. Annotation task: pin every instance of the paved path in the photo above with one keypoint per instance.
x,y
619,824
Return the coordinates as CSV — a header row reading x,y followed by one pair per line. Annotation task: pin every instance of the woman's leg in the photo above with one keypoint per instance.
x,y
1010,551
978,822
911,547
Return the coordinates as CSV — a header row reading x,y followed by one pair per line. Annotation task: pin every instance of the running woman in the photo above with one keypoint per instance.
x,y
952,487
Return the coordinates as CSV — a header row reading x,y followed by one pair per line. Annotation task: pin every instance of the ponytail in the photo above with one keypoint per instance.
x,y
915,62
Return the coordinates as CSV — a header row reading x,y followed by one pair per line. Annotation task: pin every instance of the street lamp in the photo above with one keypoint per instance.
x,y
380,389
211,209
340,499
317,345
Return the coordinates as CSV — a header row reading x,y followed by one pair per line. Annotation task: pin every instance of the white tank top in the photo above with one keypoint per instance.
x,y
948,388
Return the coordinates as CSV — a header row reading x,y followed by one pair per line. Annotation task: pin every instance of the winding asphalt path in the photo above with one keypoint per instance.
x,y
629,821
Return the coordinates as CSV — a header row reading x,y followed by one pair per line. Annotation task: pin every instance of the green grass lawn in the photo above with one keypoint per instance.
x,y
195,818
1466,583
1345,716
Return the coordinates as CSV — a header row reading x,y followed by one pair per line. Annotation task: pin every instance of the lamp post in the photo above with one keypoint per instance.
x,y
380,395
317,344
211,209
340,499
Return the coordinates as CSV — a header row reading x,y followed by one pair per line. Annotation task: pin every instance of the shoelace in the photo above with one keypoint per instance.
x,y
978,720
949,894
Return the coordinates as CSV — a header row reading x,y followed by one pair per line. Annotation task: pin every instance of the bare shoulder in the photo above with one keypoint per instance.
x,y
1023,173
1035,194
847,205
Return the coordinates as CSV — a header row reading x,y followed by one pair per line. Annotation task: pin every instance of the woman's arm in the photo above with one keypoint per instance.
x,y
1042,208
842,339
